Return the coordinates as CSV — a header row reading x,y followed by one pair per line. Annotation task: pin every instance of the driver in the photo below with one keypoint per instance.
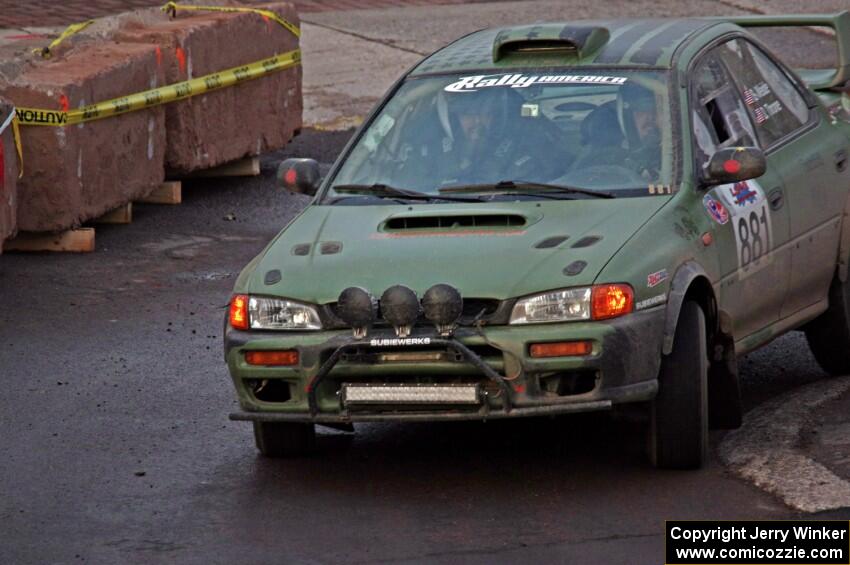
x,y
487,138
639,118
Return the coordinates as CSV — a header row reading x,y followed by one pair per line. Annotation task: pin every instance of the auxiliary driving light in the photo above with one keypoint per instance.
x,y
358,309
443,306
400,307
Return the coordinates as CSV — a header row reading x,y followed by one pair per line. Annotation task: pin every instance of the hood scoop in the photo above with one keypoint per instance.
x,y
455,222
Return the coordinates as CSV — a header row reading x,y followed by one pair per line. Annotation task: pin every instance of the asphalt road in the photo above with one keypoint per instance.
x,y
117,448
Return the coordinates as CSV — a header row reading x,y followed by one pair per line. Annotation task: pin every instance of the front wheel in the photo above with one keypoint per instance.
x,y
678,428
284,439
829,334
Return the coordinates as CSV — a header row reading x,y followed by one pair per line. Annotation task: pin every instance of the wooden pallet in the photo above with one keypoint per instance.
x,y
169,192
248,167
121,215
72,241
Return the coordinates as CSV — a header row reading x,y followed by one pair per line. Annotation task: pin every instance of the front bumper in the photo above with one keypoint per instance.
x,y
622,367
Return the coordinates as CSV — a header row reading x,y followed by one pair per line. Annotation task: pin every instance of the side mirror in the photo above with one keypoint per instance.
x,y
299,175
734,164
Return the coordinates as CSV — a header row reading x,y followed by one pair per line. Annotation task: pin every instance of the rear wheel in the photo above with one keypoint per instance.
x,y
678,428
829,334
284,439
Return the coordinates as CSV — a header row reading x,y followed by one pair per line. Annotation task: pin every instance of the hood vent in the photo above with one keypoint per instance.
x,y
553,241
587,241
489,221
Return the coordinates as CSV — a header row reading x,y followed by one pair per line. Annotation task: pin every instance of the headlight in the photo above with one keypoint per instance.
x,y
278,314
556,306
599,302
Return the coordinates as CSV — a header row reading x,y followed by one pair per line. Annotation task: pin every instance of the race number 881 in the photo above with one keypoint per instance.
x,y
753,236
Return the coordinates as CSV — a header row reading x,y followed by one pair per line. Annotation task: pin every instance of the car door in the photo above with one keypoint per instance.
x,y
804,147
751,231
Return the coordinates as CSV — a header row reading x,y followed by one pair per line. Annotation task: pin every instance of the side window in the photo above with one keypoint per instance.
x,y
774,103
719,117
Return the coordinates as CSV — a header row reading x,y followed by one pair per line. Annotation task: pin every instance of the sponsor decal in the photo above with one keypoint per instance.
x,y
756,93
743,194
530,110
773,108
476,82
400,341
715,209
650,302
656,278
764,113
660,189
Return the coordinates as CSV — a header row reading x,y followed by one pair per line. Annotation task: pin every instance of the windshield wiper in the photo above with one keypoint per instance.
x,y
523,186
386,191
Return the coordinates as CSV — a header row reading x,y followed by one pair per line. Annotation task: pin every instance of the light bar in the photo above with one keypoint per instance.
x,y
410,394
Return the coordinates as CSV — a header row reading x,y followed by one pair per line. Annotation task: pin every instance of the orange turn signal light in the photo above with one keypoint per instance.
x,y
561,349
239,312
611,300
272,358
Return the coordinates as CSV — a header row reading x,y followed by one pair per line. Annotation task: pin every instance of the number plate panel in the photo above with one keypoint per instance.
x,y
750,221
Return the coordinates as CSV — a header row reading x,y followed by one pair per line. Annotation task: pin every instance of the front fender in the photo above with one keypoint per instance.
x,y
685,276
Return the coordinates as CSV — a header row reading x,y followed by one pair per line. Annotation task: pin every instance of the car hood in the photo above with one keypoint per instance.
x,y
494,250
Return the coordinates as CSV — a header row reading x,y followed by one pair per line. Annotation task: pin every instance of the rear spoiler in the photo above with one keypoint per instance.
x,y
840,22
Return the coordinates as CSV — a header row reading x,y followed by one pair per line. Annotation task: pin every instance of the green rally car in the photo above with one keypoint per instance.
x,y
559,218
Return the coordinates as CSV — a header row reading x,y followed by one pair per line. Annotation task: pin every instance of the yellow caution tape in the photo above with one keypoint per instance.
x,y
69,31
12,120
158,96
16,133
172,8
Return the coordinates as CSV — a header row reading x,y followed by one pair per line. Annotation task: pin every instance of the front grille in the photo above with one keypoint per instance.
x,y
269,390
421,354
569,383
474,307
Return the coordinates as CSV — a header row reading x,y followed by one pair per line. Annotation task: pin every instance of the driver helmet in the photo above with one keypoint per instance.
x,y
467,113
634,99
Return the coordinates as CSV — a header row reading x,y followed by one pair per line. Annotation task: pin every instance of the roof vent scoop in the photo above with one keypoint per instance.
x,y
556,39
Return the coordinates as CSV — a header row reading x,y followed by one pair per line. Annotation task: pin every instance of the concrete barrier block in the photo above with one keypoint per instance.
x,y
76,173
8,177
240,121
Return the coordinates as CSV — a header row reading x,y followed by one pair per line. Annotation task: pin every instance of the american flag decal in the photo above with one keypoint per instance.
x,y
749,98
761,117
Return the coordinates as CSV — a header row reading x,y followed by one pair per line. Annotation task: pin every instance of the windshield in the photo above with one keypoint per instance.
x,y
608,131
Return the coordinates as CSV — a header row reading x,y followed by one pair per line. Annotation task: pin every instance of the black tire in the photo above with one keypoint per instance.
x,y
678,427
284,439
829,334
